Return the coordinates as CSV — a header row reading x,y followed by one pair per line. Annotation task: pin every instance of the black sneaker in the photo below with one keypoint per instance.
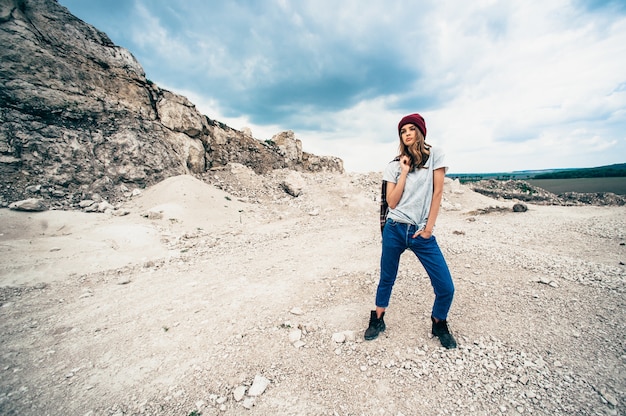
x,y
377,325
441,331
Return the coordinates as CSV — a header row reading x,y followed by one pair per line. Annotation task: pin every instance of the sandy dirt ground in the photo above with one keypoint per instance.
x,y
218,304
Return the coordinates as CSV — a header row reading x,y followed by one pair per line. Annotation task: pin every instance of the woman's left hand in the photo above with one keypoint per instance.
x,y
423,233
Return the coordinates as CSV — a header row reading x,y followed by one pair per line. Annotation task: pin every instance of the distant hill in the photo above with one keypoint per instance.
x,y
616,170
609,171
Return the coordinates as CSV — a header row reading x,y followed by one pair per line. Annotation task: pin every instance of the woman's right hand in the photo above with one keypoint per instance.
x,y
405,163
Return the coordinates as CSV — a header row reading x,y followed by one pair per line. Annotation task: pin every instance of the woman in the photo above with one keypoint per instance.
x,y
414,188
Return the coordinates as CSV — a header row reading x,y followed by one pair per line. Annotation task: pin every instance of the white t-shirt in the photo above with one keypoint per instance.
x,y
414,204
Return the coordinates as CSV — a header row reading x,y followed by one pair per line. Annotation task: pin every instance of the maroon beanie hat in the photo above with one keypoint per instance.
x,y
413,119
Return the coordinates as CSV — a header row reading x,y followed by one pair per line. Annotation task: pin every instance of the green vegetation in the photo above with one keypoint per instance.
x,y
524,187
498,176
610,171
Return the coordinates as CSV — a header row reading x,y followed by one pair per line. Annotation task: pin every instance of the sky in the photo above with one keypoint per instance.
x,y
504,85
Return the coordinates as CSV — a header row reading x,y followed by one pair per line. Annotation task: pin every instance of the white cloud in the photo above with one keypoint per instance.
x,y
503,85
533,83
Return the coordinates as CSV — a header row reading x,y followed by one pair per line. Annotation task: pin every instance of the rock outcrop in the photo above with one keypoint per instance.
x,y
524,191
78,116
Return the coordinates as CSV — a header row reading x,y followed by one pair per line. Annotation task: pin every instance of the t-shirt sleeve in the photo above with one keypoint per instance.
x,y
391,172
439,159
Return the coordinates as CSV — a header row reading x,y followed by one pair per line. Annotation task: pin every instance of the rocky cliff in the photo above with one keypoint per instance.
x,y
78,116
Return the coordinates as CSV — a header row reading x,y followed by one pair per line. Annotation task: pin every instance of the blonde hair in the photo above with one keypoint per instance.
x,y
418,152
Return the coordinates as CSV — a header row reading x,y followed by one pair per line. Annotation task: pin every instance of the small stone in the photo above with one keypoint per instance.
x,y
104,206
31,204
239,392
297,311
152,215
87,293
248,403
519,207
350,336
259,385
295,335
123,280
339,337
609,398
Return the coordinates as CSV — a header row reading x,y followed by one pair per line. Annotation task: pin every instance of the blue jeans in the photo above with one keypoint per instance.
x,y
398,237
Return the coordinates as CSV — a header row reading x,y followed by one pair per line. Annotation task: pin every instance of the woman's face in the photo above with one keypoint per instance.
x,y
408,134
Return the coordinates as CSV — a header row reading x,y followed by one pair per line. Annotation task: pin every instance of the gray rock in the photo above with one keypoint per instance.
x,y
296,310
295,335
31,204
248,403
519,207
259,385
524,191
104,206
293,184
239,393
86,203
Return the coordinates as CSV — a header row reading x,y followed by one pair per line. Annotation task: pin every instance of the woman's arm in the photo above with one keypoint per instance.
x,y
438,179
395,190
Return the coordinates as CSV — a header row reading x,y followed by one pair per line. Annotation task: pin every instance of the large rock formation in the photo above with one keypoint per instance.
x,y
78,116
